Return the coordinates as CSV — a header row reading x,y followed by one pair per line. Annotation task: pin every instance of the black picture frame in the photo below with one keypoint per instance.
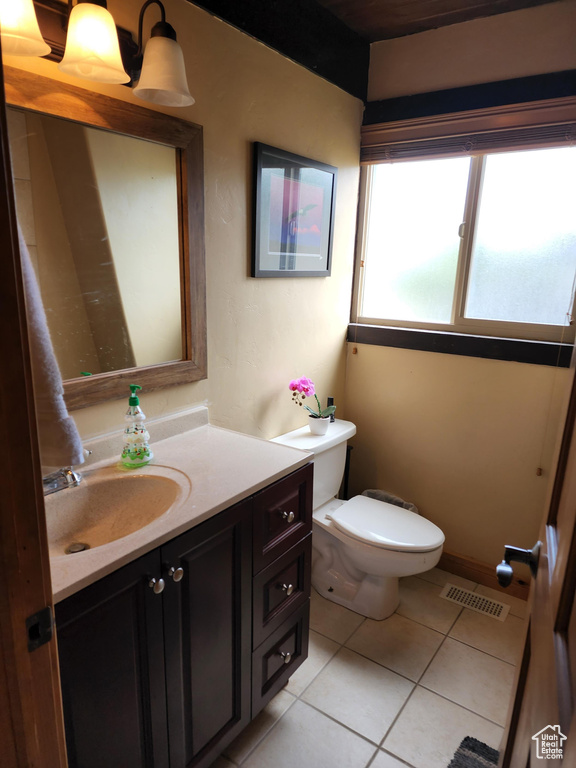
x,y
293,214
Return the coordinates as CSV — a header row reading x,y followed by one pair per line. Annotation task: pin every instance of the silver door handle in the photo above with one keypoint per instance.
x,y
530,557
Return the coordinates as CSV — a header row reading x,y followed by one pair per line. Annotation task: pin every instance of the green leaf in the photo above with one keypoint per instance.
x,y
328,411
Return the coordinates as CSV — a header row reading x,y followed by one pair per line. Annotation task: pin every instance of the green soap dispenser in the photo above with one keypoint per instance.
x,y
136,452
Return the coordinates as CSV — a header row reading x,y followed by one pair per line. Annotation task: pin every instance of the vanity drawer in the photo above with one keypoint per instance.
x,y
282,516
281,588
279,657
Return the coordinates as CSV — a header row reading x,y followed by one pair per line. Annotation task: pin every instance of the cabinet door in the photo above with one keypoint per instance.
x,y
207,636
111,651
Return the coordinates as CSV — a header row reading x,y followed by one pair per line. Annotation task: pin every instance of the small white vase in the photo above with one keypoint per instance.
x,y
318,426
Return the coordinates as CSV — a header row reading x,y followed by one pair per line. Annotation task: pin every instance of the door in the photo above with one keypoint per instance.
x,y
110,638
31,726
207,619
543,717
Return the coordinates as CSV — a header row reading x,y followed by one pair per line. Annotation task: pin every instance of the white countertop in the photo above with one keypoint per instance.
x,y
217,468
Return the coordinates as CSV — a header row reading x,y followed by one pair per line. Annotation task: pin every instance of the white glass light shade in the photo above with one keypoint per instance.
x,y
92,49
163,78
20,31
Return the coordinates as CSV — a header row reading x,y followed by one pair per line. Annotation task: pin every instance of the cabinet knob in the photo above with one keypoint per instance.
x,y
286,656
288,516
157,585
176,573
288,588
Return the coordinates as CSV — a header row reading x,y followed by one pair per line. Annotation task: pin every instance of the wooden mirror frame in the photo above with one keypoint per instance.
x,y
51,97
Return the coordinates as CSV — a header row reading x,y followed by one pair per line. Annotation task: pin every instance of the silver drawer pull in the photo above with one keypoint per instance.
x,y
288,588
288,516
157,585
286,656
177,574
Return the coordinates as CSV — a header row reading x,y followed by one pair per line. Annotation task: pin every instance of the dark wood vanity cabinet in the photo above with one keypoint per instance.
x,y
165,675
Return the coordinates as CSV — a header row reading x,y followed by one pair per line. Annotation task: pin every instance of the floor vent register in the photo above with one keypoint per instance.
x,y
475,602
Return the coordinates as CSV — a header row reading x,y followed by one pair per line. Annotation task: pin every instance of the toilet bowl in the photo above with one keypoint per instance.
x,y
360,547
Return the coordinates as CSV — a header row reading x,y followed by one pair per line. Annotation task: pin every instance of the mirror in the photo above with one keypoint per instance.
x,y
110,201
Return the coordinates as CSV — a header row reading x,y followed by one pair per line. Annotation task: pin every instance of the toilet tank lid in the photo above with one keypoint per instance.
x,y
386,525
338,432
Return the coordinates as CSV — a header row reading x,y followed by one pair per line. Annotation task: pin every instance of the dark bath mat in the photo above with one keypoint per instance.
x,y
474,754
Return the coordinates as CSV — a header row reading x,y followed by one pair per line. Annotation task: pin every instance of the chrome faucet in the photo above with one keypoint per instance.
x,y
61,478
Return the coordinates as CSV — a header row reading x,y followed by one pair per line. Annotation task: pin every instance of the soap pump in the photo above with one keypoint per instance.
x,y
136,451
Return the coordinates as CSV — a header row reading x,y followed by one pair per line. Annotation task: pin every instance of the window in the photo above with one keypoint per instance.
x,y
482,245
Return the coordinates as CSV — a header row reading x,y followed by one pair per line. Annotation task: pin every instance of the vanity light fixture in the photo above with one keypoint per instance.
x,y
92,48
21,34
163,76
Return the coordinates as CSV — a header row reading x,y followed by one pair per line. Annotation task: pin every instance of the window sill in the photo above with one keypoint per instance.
x,y
492,347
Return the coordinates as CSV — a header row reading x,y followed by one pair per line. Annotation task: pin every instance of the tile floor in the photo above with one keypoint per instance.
x,y
394,693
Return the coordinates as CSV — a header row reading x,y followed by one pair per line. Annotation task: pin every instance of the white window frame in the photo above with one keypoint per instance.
x,y
550,123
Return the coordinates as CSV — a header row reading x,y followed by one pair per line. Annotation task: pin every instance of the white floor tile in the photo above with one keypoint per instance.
x,y
441,578
420,601
359,693
504,639
305,737
332,620
400,644
430,729
384,760
259,727
517,607
320,651
471,678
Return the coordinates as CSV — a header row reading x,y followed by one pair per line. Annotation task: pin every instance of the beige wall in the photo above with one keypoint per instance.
x,y
461,437
261,333
528,42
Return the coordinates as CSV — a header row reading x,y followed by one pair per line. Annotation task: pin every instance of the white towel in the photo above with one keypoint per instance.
x,y
59,441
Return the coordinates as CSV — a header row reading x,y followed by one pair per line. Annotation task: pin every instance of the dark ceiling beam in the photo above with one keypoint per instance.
x,y
305,32
551,85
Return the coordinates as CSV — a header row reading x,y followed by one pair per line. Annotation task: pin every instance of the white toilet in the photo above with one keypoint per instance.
x,y
362,546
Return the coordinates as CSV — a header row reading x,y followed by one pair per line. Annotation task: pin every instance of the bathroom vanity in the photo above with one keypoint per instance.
x,y
167,657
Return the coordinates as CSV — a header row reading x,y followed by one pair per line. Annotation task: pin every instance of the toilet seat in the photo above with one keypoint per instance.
x,y
386,526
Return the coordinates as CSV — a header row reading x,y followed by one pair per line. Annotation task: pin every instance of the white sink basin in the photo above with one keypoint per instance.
x,y
109,504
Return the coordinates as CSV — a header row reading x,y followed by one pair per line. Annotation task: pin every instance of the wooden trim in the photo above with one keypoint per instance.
x,y
477,130
43,95
475,120
482,573
50,97
305,32
491,347
31,723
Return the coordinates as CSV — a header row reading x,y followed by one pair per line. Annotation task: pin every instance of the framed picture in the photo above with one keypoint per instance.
x,y
294,202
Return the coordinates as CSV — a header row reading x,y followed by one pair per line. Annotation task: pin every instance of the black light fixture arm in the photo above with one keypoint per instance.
x,y
160,29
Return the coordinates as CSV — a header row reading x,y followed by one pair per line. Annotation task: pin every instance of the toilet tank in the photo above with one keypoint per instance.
x,y
329,456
